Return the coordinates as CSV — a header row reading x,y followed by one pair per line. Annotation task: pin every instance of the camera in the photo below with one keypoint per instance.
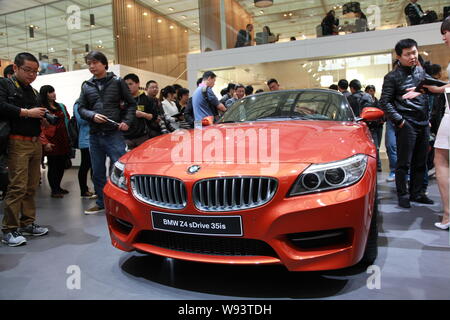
x,y
52,119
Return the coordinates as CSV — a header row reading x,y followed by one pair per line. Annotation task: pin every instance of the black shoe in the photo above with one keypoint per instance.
x,y
63,191
404,202
422,199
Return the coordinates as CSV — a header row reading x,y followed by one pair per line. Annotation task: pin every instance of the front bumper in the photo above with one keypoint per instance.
x,y
333,224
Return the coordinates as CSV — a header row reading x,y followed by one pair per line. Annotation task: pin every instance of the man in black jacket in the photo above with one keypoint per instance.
x,y
100,102
359,100
411,120
138,132
414,13
244,37
20,105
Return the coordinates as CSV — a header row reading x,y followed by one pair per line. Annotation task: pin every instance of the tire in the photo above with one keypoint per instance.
x,y
371,250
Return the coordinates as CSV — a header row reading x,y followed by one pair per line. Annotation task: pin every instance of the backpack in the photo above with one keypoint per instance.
x,y
74,131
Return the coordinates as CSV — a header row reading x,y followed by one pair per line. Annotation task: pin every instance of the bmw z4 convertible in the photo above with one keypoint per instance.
x,y
286,177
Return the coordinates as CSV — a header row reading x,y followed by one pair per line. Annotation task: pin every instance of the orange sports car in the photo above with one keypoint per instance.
x,y
286,177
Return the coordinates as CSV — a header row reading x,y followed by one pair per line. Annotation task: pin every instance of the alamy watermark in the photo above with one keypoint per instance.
x,y
73,282
374,281
229,146
73,21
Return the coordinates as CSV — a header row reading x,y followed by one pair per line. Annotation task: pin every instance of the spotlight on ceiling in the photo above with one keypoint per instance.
x,y
263,3
31,32
92,20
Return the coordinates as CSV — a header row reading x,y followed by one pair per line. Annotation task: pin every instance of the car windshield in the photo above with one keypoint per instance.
x,y
290,105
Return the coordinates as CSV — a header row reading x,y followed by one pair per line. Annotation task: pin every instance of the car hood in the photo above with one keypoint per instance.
x,y
258,142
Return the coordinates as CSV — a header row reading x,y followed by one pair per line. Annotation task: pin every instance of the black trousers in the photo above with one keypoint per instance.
x,y
412,151
376,136
83,171
55,171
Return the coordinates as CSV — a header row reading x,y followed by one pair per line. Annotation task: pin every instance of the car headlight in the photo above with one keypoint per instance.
x,y
118,177
329,176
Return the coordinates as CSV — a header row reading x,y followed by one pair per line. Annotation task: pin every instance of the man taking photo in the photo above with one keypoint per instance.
x,y
19,104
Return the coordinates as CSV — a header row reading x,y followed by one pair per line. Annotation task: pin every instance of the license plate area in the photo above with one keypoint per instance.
x,y
196,224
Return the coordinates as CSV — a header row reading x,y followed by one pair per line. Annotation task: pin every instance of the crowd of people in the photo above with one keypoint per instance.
x,y
113,115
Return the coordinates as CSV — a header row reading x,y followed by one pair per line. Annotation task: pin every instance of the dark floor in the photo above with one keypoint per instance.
x,y
414,259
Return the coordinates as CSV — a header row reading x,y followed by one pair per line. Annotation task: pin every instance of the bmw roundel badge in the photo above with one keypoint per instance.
x,y
193,169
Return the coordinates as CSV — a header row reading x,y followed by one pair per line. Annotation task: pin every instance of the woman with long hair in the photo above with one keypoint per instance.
x,y
170,108
441,144
55,140
271,38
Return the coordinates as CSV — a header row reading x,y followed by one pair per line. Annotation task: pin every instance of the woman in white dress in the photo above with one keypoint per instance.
x,y
441,145
169,106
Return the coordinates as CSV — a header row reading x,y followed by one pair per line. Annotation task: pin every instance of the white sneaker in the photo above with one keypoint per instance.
x,y
14,239
391,177
34,230
443,226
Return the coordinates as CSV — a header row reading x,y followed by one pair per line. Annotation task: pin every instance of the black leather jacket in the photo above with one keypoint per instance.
x,y
107,102
360,100
395,107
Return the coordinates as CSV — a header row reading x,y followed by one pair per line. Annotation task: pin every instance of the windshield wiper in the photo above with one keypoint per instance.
x,y
284,118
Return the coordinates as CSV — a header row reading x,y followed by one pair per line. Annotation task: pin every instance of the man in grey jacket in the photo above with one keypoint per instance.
x,y
106,103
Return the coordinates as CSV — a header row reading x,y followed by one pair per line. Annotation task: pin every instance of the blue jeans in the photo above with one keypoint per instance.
x,y
391,145
102,145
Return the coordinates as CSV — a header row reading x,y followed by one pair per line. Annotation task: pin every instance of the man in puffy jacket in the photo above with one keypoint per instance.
x,y
100,101
411,120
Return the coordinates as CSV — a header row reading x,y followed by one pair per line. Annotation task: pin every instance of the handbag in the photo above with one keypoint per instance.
x,y
67,163
5,129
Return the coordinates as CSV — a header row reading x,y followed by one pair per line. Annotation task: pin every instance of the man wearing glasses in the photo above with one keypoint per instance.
x,y
19,104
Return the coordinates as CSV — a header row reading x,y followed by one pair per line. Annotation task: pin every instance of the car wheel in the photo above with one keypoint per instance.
x,y
371,251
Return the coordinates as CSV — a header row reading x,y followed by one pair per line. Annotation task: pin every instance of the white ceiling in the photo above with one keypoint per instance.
x,y
52,37
8,6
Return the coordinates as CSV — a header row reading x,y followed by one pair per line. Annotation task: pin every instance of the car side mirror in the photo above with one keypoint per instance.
x,y
371,114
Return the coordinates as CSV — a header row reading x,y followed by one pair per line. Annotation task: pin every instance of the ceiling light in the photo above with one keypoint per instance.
x,y
263,3
145,14
129,6
195,23
261,11
92,20
184,17
285,15
171,9
159,20
290,14
426,53
185,30
31,32
171,27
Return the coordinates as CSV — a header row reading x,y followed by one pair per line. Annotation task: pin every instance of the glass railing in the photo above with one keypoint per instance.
x,y
283,21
